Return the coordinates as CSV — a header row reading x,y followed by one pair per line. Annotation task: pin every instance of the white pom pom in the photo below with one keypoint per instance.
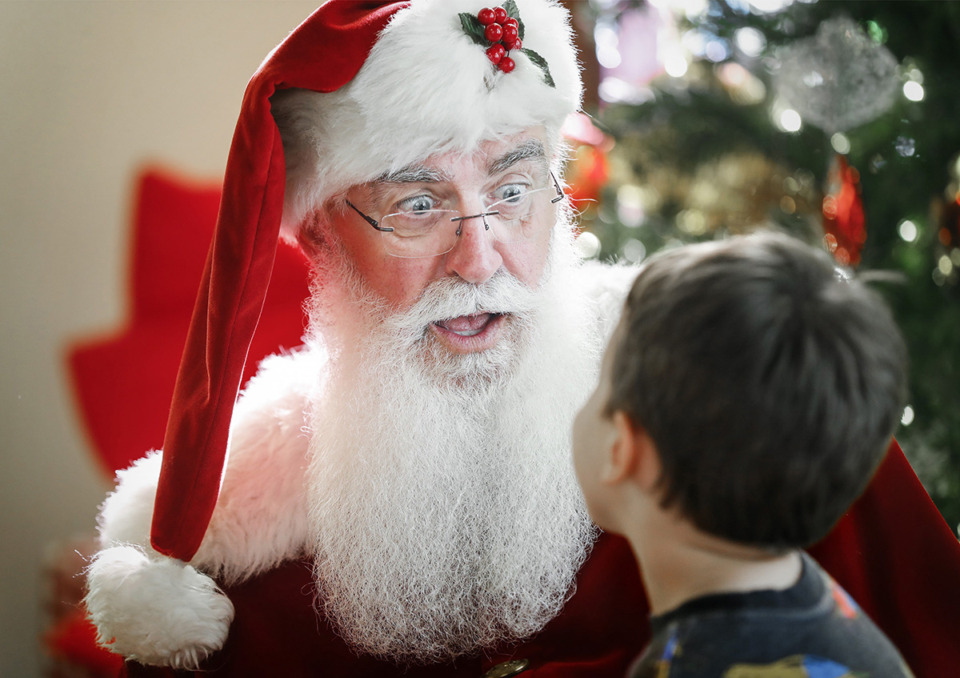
x,y
155,610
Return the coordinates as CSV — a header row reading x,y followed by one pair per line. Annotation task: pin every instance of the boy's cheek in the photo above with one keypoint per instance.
x,y
592,436
588,473
581,461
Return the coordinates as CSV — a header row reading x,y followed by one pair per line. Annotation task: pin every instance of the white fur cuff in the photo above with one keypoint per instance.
x,y
155,610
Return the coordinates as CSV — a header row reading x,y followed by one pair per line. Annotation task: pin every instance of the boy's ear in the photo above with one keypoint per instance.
x,y
632,456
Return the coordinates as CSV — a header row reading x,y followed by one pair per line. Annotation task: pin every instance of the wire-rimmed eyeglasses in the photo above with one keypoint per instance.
x,y
421,233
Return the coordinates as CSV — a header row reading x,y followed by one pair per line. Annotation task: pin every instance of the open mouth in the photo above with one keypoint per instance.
x,y
468,325
469,333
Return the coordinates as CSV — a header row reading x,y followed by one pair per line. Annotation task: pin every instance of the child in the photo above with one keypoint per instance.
x,y
746,398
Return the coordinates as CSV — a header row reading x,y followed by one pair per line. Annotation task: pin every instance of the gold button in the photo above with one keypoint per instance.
x,y
507,669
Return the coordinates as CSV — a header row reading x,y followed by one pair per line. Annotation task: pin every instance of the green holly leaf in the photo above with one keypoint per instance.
x,y
540,63
510,7
473,28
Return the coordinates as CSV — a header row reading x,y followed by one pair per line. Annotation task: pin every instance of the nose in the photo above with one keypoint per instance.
x,y
475,256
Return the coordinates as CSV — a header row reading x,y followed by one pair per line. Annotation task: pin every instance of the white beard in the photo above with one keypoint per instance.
x,y
446,516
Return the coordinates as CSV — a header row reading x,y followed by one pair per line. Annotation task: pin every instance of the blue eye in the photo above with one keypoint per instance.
x,y
511,192
419,203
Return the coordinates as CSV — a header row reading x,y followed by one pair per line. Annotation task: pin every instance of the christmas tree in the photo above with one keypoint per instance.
x,y
833,120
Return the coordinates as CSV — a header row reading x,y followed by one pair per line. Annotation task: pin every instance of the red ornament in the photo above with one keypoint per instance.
x,y
588,170
496,52
509,33
506,64
499,14
486,16
493,33
844,224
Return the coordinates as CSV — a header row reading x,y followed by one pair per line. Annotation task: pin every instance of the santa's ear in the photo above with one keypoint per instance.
x,y
632,456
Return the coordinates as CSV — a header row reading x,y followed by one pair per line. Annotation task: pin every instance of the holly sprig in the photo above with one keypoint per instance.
x,y
500,30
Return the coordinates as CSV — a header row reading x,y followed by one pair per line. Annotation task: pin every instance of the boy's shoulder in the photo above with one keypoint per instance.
x,y
811,629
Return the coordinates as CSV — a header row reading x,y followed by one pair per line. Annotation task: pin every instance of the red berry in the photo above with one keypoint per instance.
x,y
499,14
493,33
486,16
506,64
509,33
512,22
496,52
516,44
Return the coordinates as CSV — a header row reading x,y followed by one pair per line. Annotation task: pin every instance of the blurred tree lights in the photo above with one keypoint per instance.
x,y
833,120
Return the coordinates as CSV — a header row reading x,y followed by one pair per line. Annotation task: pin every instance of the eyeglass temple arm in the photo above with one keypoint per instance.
x,y
370,220
556,185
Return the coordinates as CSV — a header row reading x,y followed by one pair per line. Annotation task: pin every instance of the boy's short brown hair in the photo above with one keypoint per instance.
x,y
769,381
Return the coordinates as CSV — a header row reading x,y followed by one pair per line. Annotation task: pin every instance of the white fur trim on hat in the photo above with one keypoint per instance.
x,y
425,88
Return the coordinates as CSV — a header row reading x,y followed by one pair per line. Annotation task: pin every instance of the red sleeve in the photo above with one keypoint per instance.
x,y
894,553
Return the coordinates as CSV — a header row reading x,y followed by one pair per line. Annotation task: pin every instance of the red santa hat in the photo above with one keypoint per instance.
x,y
379,85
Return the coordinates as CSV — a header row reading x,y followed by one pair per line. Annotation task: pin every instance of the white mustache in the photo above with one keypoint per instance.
x,y
451,298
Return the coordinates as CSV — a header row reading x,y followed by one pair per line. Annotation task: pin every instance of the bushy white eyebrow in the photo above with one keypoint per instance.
x,y
529,149
413,174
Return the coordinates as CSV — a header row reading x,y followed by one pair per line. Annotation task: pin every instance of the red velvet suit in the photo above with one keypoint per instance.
x,y
892,552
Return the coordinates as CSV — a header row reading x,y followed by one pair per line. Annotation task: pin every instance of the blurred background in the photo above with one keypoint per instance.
x,y
834,120
91,93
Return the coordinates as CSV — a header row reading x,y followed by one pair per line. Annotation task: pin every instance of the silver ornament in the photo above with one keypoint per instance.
x,y
839,78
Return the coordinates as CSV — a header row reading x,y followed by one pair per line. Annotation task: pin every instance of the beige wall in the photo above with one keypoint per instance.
x,y
88,92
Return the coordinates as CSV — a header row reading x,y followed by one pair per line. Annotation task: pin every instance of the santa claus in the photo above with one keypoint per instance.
x,y
397,496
